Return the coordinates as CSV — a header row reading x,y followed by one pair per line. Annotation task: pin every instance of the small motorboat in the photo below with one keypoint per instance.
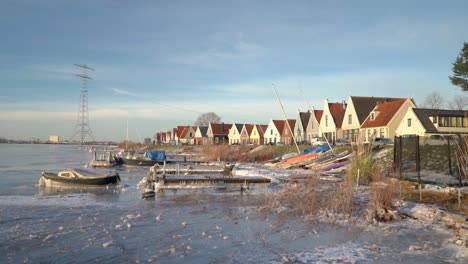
x,y
77,177
105,160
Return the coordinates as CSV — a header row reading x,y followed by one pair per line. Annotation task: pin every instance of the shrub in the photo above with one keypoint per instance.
x,y
363,163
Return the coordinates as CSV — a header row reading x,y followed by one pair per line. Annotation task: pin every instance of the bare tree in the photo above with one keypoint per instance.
x,y
206,118
458,103
433,101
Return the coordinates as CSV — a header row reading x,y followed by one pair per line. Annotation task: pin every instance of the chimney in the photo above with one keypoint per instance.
x,y
344,105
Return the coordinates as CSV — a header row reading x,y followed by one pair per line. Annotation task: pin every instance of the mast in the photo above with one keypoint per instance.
x,y
312,112
286,119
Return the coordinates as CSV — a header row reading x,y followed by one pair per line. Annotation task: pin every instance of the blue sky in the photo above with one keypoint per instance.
x,y
160,64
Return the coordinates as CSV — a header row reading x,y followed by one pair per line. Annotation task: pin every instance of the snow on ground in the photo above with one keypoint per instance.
x,y
436,177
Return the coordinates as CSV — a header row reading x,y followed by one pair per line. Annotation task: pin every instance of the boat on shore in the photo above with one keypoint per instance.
x,y
77,177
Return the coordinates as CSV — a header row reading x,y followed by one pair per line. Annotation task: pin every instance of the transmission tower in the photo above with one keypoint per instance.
x,y
82,124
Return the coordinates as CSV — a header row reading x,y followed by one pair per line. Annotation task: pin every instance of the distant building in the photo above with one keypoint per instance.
x,y
147,141
54,138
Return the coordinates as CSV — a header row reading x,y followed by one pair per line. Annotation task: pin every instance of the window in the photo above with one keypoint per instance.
x,y
326,120
382,132
350,119
271,132
369,131
409,122
372,116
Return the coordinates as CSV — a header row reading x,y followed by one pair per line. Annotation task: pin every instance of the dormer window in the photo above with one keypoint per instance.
x,y
372,116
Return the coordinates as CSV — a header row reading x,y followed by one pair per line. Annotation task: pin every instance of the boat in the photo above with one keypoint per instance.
x,y
105,160
77,177
150,158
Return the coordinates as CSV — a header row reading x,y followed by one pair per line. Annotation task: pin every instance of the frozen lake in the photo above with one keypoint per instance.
x,y
197,226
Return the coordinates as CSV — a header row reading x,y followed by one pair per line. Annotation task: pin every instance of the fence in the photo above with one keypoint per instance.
x,y
435,159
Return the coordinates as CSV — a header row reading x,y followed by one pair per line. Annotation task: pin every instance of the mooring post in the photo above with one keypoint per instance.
x,y
418,166
449,157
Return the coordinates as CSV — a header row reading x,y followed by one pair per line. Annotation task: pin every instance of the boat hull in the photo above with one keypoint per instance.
x,y
140,162
52,179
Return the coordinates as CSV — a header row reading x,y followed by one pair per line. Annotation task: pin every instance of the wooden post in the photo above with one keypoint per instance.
x,y
418,166
357,182
400,156
449,157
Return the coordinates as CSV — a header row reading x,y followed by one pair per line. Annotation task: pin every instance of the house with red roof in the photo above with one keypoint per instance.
x,y
257,134
245,134
384,119
218,133
186,134
287,135
273,132
313,126
332,119
357,110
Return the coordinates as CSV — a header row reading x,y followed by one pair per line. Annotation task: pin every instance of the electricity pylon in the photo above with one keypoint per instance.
x,y
82,124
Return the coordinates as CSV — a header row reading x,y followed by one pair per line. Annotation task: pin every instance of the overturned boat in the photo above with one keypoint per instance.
x,y
77,177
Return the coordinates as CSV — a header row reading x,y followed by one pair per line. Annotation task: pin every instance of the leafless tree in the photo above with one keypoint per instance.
x,y
206,118
433,101
458,103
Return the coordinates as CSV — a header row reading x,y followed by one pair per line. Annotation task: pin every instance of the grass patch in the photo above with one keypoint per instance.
x,y
311,199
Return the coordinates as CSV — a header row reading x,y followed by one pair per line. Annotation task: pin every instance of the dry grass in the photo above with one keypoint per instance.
x,y
446,200
216,152
462,156
383,193
310,199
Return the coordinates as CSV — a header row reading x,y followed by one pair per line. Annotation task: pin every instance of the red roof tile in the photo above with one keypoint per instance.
x,y
220,129
318,115
261,129
385,113
249,128
337,111
181,130
279,124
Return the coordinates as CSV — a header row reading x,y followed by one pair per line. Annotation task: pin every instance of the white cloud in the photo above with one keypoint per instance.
x,y
124,92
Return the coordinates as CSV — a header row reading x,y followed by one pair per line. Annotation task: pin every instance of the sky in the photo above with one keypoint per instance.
x,y
160,64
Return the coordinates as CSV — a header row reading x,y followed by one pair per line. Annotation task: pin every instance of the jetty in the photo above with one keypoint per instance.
x,y
158,180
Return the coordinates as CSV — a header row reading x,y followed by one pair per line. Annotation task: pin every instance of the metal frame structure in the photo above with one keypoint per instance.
x,y
82,125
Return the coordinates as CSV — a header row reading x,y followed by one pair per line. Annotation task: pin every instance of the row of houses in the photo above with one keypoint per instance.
x,y
359,118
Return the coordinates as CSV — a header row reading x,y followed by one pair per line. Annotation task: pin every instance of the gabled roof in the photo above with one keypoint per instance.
x,y
318,115
181,130
203,130
304,116
239,127
364,105
279,124
261,129
292,123
337,111
249,128
220,129
424,113
186,130
385,113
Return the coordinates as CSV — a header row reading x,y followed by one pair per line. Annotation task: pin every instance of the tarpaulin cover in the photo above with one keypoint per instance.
x,y
317,149
156,154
